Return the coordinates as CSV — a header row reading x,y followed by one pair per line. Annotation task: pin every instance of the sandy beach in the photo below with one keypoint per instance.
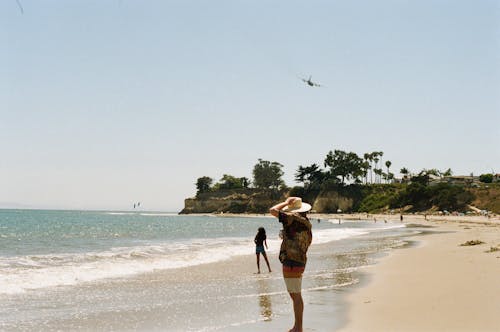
x,y
433,284
436,285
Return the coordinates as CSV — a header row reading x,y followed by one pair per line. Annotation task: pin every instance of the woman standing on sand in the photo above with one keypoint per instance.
x,y
260,240
297,237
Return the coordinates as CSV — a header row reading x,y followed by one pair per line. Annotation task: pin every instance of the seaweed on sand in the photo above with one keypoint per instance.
x,y
472,243
493,249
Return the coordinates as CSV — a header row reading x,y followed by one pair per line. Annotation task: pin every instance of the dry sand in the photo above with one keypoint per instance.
x,y
437,285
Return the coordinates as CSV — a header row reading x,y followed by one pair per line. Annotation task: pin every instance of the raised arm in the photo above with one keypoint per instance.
x,y
275,210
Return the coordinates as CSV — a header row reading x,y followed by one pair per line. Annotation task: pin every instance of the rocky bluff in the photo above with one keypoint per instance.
x,y
258,201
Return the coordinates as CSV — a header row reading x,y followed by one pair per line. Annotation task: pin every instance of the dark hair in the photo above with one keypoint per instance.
x,y
261,235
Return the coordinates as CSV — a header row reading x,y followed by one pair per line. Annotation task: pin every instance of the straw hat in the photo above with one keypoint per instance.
x,y
297,206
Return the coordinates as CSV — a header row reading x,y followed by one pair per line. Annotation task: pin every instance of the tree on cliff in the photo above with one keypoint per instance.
x,y
377,156
346,165
231,182
203,184
309,175
367,157
388,165
267,175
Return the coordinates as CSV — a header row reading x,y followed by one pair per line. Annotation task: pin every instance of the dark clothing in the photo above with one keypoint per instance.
x,y
259,239
297,238
290,263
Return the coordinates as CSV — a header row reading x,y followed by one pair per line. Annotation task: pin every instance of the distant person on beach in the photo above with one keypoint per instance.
x,y
297,237
260,241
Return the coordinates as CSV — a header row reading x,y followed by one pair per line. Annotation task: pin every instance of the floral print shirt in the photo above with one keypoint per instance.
x,y
297,237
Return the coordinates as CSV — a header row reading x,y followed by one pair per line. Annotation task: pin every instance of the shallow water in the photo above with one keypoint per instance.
x,y
74,270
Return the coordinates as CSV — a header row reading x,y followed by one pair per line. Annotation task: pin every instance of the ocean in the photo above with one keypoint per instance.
x,y
156,271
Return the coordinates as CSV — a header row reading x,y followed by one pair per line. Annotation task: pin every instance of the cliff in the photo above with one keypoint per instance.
x,y
258,201
375,198
233,201
487,197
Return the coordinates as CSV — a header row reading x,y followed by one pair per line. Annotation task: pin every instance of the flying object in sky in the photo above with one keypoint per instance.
x,y
309,82
20,6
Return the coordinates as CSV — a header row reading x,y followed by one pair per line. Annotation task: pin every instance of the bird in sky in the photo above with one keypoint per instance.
x,y
309,82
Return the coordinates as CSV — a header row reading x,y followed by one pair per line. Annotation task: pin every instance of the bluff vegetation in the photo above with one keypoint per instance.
x,y
347,183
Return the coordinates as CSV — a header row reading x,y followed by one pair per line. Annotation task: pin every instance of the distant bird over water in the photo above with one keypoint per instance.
x,y
309,82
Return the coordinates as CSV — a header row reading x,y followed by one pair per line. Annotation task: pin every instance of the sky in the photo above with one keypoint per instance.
x,y
104,103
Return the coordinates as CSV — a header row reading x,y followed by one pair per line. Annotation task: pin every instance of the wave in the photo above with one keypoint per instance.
x,y
19,274
335,234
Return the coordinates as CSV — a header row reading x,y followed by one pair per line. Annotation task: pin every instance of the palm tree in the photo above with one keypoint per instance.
x,y
378,171
380,154
375,159
309,175
388,164
405,172
368,166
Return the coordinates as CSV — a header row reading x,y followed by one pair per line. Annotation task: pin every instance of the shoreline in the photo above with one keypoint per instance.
x,y
373,281
493,219
226,294
437,285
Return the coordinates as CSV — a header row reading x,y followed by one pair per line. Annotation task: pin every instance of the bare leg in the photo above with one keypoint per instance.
x,y
258,262
267,261
298,310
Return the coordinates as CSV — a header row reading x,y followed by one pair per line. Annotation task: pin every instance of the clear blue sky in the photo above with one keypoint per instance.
x,y
103,103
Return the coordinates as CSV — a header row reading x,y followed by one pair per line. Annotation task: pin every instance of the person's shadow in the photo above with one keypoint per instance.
x,y
266,311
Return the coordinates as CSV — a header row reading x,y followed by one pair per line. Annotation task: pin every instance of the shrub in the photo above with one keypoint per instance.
x,y
486,178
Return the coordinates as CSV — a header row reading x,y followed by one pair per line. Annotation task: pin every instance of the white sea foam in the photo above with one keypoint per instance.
x,y
19,274
334,234
23,273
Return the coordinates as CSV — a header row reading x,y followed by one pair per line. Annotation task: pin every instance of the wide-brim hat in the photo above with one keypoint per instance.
x,y
297,206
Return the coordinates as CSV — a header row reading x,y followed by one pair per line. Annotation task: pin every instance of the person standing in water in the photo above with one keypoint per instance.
x,y
297,238
260,241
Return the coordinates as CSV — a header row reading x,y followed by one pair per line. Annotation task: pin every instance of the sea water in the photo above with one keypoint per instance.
x,y
48,259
